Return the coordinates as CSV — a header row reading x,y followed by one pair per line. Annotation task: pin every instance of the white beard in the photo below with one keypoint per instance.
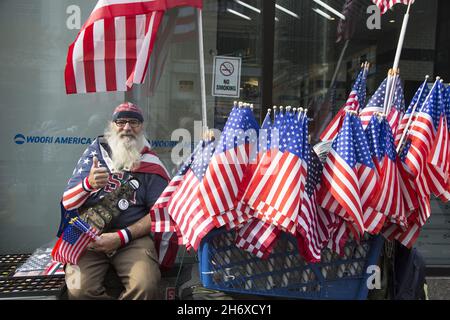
x,y
126,151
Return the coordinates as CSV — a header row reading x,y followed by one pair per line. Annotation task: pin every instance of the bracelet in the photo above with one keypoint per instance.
x,y
86,185
125,236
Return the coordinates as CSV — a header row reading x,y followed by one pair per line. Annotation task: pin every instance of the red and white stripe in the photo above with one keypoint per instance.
x,y
161,220
437,181
257,237
438,156
366,115
111,53
186,210
339,237
314,228
166,245
422,136
332,130
394,117
219,187
408,187
276,188
385,5
76,196
342,182
369,185
389,200
113,48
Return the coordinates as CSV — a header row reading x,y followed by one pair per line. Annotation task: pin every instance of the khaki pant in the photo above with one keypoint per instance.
x,y
136,264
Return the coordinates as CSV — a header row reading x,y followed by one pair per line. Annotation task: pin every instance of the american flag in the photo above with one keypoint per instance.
x,y
161,220
424,130
184,205
264,142
357,94
416,104
376,104
112,49
418,208
373,219
220,185
314,225
74,240
397,108
276,187
389,198
407,181
341,177
385,5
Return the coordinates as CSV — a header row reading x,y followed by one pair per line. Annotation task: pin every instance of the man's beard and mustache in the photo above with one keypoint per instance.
x,y
125,147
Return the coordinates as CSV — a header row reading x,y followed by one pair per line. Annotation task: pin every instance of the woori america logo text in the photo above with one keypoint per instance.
x,y
22,139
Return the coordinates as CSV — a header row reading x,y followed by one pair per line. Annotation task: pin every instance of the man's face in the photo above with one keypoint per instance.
x,y
128,128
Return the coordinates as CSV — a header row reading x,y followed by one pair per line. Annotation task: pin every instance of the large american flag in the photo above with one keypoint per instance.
x,y
220,185
184,205
74,240
341,177
385,5
112,49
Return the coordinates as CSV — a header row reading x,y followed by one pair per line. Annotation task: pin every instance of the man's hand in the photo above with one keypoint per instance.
x,y
107,243
98,177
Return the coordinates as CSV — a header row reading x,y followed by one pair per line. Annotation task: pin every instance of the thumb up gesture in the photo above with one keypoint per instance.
x,y
98,177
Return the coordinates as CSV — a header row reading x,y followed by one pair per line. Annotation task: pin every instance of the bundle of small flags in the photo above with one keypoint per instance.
x,y
377,177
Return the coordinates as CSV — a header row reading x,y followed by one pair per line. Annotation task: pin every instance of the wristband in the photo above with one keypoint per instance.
x,y
125,236
86,185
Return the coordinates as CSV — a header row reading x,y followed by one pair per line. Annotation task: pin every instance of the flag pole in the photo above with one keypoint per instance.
x,y
402,38
202,71
398,53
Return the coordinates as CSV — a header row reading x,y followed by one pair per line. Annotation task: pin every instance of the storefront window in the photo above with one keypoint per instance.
x,y
316,57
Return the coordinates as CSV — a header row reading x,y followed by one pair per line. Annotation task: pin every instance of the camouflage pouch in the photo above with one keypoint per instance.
x,y
109,206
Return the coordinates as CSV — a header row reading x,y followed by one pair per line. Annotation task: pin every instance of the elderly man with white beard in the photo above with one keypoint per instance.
x,y
126,244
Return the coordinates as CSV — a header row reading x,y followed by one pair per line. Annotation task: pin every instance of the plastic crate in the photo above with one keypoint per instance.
x,y
225,267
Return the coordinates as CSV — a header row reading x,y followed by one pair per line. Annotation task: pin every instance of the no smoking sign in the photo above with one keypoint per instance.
x,y
227,77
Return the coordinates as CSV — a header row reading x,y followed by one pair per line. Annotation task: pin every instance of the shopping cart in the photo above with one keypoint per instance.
x,y
225,267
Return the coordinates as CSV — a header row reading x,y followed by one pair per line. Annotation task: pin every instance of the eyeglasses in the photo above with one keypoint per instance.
x,y
123,123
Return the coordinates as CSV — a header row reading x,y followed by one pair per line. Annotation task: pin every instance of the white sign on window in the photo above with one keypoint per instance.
x,y
227,77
